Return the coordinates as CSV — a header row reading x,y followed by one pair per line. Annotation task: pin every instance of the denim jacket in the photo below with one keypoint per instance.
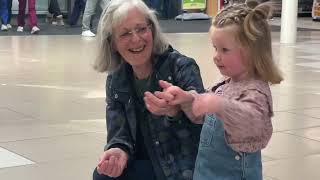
x,y
171,143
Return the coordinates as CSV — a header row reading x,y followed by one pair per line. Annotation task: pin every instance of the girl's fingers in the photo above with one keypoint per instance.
x,y
163,95
164,84
175,102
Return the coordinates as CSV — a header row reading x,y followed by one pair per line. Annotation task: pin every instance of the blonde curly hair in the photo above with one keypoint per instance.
x,y
253,33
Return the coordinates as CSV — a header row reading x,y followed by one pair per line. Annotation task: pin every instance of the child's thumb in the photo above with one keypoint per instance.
x,y
164,84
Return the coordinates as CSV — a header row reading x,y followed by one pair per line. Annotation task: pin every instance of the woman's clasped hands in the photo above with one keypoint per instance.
x,y
173,99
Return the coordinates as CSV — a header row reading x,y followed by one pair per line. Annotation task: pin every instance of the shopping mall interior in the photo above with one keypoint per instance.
x,y
52,107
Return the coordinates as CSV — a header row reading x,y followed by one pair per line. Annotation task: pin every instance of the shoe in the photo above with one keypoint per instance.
x,y
54,22
9,26
60,20
4,27
20,29
49,18
88,33
35,30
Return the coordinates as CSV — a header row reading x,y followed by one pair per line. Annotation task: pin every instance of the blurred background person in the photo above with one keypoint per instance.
x,y
78,8
89,11
54,16
4,15
33,22
9,3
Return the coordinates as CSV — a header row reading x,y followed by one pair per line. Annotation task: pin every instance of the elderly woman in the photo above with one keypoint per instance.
x,y
142,145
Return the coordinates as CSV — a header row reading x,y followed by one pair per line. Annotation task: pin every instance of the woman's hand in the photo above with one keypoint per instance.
x,y
112,162
157,105
168,101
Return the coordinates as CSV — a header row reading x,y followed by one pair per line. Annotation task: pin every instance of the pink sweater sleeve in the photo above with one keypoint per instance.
x,y
247,119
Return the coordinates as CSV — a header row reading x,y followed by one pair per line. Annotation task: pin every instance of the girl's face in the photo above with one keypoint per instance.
x,y
133,39
228,55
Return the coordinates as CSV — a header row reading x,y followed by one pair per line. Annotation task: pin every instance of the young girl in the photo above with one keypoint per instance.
x,y
236,115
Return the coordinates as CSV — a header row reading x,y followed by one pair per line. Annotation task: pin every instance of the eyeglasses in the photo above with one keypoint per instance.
x,y
140,30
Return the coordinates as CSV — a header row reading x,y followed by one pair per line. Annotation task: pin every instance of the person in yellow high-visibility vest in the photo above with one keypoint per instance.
x,y
316,10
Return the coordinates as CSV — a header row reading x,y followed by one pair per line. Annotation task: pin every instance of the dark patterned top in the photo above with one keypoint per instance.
x,y
171,144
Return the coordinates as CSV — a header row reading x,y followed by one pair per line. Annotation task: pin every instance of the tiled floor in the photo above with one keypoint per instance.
x,y
52,106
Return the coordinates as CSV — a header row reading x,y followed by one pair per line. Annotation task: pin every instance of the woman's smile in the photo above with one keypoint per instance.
x,y
137,50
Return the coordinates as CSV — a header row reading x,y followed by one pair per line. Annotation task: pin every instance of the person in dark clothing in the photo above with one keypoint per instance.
x,y
154,4
9,7
4,15
78,8
140,144
55,16
9,13
170,9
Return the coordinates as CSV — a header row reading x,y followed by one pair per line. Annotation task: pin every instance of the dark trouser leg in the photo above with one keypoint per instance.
x,y
154,4
165,9
22,12
4,12
33,21
139,170
75,12
54,8
9,10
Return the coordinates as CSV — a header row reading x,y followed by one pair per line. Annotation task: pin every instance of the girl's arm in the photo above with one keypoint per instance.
x,y
247,118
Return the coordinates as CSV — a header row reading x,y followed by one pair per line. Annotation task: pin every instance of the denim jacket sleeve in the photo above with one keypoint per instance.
x,y
117,124
187,76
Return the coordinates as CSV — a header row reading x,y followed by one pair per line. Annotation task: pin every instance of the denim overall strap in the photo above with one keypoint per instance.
x,y
216,160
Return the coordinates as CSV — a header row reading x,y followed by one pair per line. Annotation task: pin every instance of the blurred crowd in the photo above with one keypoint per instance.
x,y
81,8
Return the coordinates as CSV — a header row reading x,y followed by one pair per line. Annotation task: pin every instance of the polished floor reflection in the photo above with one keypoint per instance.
x,y
52,106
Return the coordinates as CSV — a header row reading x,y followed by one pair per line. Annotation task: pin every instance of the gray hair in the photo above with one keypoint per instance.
x,y
116,11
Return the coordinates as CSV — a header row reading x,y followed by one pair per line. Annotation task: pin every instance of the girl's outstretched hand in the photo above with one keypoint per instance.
x,y
174,94
159,106
170,101
158,102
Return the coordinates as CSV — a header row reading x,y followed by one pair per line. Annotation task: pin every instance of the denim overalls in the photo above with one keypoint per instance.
x,y
216,160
